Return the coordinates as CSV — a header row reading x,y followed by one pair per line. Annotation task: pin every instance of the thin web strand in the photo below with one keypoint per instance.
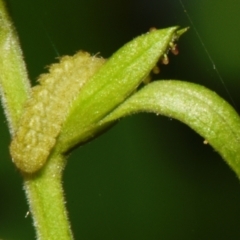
x,y
42,25
207,53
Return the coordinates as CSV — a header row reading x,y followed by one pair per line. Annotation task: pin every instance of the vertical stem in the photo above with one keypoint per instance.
x,y
14,83
46,200
44,189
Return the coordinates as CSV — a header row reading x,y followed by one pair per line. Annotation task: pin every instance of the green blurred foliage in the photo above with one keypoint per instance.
x,y
148,177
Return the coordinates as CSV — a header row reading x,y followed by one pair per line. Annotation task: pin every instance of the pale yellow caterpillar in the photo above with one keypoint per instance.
x,y
47,109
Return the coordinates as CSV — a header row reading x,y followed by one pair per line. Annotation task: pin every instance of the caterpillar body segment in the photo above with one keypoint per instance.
x,y
46,110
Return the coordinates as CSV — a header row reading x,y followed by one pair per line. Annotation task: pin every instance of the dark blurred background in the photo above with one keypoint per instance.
x,y
148,177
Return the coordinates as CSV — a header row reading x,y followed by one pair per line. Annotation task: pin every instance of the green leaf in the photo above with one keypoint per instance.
x,y
201,109
116,80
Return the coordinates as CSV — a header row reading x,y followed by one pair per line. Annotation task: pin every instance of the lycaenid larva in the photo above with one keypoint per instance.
x,y
47,108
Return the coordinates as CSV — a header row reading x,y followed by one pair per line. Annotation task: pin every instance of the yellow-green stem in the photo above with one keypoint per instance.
x,y
14,83
46,200
43,190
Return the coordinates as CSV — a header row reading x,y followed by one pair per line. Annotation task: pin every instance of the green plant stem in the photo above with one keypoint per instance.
x,y
46,200
43,190
14,83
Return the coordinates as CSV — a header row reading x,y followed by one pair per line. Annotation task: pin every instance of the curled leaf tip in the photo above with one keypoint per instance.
x,y
181,31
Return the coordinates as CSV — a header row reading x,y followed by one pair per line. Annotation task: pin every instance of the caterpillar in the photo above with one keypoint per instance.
x,y
47,108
